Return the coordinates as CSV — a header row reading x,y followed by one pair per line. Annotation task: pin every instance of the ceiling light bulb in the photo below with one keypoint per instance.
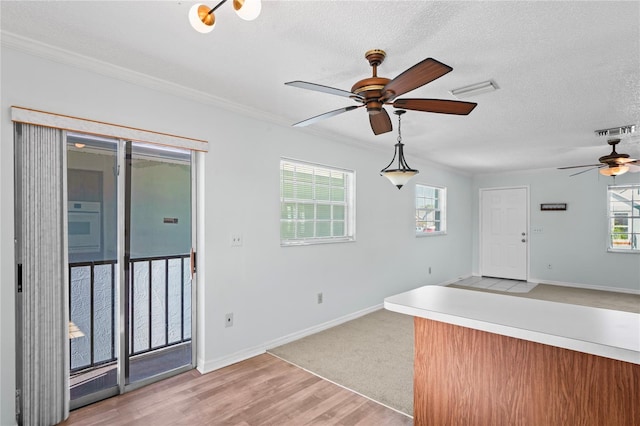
x,y
248,9
200,18
79,145
614,171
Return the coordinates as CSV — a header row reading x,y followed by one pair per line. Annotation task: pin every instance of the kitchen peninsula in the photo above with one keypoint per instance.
x,y
483,358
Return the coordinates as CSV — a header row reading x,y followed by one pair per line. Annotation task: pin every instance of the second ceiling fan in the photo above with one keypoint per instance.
x,y
375,92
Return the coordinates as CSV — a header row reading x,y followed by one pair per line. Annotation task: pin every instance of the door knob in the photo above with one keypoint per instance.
x,y
523,234
524,241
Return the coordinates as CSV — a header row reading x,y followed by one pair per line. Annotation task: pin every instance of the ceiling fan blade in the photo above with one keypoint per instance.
x,y
323,89
442,106
584,165
325,115
416,76
380,123
584,171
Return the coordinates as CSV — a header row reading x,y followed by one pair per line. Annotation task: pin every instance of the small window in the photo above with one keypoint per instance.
x,y
431,210
624,218
317,203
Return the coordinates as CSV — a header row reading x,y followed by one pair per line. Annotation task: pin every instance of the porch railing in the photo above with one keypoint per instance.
x,y
159,307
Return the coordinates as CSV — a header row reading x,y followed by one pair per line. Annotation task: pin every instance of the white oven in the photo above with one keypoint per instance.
x,y
85,226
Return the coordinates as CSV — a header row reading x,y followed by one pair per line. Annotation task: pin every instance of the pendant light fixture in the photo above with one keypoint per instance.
x,y
403,173
203,20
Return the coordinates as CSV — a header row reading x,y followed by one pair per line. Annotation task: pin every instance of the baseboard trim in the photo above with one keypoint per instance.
x,y
586,286
205,367
462,277
217,363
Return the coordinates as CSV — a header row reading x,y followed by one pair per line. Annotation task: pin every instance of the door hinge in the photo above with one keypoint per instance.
x,y
19,279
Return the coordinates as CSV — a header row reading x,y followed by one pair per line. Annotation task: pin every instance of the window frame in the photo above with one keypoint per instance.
x,y
614,216
441,192
349,205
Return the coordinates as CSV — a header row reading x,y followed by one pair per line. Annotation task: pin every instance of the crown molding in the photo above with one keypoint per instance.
x,y
66,57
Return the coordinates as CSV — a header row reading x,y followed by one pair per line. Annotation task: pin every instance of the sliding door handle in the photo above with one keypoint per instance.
x,y
192,257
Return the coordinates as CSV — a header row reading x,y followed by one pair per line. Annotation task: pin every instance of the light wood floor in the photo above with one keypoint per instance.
x,y
263,390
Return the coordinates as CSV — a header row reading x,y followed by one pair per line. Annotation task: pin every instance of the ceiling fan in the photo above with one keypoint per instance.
x,y
374,92
613,164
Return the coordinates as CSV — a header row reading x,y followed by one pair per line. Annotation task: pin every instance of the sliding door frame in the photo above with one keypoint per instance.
x,y
121,133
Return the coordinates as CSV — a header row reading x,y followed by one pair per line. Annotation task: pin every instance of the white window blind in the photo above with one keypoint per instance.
x,y
316,203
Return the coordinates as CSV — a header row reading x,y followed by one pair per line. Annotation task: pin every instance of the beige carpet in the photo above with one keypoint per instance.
x,y
373,354
576,296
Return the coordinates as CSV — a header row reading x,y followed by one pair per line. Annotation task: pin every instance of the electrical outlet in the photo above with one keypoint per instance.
x,y
228,320
319,298
537,230
549,266
236,240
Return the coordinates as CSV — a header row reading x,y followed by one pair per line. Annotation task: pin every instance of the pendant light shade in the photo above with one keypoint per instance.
x,y
248,9
400,177
201,19
402,173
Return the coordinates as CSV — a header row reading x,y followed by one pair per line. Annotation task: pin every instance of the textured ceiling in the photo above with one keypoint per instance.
x,y
564,69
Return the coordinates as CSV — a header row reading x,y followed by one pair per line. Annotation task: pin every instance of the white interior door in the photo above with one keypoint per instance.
x,y
504,240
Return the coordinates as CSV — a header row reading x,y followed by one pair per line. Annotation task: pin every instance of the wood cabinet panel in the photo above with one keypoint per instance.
x,y
472,377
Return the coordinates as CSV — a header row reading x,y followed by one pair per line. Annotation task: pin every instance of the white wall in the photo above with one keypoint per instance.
x,y
574,241
270,289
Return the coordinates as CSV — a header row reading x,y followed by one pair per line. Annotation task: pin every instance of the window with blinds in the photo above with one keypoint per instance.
x,y
431,202
317,203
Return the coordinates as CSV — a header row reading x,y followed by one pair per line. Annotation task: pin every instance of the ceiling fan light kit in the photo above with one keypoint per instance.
x,y
403,173
374,92
475,89
614,170
203,19
613,164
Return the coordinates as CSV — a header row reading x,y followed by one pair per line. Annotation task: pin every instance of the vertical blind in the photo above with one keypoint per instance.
x,y
41,231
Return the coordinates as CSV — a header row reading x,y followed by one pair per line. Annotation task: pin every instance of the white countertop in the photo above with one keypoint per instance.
x,y
602,332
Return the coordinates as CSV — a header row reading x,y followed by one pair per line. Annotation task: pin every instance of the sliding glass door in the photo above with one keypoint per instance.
x,y
157,290
92,217
130,208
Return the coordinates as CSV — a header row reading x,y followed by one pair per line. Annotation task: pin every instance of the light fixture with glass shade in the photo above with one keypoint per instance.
x,y
402,173
616,170
203,20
